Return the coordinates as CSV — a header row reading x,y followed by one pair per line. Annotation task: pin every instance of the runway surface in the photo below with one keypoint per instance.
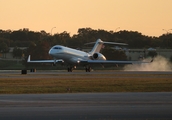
x,y
113,106
99,73
101,106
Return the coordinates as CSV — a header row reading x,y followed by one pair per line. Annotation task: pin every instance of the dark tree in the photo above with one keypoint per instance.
x,y
4,49
17,52
112,54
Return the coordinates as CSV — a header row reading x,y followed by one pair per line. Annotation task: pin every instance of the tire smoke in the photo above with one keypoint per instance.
x,y
159,64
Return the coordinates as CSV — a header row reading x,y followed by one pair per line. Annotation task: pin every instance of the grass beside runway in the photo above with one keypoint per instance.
x,y
75,83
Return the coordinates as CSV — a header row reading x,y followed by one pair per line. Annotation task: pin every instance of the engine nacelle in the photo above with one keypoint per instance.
x,y
98,56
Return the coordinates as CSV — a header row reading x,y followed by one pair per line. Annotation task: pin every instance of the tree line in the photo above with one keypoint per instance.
x,y
38,43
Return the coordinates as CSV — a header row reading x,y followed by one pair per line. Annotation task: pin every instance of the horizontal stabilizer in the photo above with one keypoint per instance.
x,y
99,44
114,43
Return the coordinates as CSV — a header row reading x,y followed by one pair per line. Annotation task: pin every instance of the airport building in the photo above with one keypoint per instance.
x,y
9,55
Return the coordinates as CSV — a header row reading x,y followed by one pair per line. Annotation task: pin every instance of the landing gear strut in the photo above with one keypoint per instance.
x,y
70,69
88,69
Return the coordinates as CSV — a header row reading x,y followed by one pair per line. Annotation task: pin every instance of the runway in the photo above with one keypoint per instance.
x,y
101,106
78,106
98,73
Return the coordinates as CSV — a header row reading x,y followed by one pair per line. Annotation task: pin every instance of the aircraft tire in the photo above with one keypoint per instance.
x,y
88,69
32,70
23,71
70,69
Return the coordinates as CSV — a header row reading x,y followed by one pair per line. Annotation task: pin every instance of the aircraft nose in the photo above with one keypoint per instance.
x,y
50,52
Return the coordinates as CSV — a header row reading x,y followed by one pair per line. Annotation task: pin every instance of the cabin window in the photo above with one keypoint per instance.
x,y
59,48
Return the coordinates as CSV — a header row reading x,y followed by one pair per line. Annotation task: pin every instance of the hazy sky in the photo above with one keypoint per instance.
x,y
146,16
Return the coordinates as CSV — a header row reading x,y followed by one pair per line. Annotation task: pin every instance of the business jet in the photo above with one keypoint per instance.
x,y
72,57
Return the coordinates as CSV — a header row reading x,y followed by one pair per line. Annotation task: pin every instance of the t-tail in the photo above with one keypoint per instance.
x,y
99,45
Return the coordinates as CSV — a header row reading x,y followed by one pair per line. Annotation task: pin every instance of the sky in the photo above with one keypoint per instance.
x,y
150,17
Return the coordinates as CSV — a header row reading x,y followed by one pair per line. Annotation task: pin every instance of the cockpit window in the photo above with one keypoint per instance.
x,y
59,48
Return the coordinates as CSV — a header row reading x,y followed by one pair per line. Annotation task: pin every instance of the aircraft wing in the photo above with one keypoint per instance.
x,y
113,62
43,61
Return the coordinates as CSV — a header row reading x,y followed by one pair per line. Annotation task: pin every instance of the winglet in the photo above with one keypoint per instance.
x,y
28,60
151,60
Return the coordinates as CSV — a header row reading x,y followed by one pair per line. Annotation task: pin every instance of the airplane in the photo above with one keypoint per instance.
x,y
72,57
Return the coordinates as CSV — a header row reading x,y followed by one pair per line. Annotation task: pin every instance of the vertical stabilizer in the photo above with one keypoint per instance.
x,y
97,47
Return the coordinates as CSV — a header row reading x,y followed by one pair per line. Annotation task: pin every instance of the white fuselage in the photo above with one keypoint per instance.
x,y
68,55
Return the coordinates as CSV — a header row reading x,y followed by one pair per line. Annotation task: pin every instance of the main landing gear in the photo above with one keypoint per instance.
x,y
70,69
88,69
